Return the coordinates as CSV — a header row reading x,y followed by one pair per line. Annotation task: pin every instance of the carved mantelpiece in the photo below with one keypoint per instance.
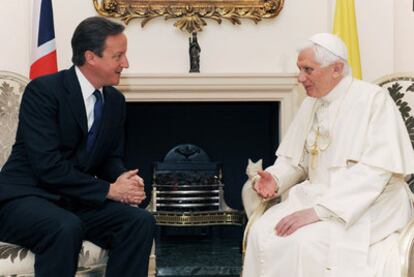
x,y
281,88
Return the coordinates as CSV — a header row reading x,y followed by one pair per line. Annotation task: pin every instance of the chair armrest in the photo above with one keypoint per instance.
x,y
258,212
406,249
250,199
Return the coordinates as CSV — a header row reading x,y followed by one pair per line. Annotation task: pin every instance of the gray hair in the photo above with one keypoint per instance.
x,y
325,57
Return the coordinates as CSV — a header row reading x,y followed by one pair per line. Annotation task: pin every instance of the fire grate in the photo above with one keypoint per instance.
x,y
188,190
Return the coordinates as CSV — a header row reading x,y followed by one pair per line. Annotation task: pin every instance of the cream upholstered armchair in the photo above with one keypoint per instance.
x,y
16,260
401,88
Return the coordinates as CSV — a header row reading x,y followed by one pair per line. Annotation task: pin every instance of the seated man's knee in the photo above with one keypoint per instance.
x,y
66,232
144,220
309,237
70,227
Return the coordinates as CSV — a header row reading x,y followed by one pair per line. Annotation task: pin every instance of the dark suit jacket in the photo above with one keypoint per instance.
x,y
49,157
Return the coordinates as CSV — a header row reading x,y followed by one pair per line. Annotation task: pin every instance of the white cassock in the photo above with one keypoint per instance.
x,y
348,153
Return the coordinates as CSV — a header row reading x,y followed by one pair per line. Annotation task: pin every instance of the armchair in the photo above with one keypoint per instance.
x,y
16,260
401,88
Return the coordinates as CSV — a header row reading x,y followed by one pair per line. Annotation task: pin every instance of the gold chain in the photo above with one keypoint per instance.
x,y
316,147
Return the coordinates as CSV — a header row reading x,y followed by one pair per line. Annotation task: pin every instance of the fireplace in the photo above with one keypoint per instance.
x,y
232,117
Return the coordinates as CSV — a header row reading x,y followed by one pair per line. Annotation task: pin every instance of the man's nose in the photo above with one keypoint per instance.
x,y
125,63
301,77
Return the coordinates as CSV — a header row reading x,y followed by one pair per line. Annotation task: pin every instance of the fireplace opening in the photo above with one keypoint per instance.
x,y
230,132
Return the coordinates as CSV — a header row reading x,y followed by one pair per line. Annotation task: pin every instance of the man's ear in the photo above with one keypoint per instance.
x,y
89,57
338,69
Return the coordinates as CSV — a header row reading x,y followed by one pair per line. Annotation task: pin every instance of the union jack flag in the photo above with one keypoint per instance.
x,y
43,52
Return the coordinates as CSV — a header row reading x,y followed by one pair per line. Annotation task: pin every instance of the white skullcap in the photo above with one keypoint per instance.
x,y
332,43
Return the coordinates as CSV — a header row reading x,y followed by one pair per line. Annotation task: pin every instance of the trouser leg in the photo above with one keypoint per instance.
x,y
53,234
303,253
126,231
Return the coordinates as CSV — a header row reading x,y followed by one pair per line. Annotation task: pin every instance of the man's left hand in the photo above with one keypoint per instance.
x,y
289,224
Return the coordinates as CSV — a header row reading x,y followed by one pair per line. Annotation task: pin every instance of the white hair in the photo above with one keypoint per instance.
x,y
325,57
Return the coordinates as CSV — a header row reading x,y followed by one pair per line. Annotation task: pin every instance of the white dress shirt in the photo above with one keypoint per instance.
x,y
87,92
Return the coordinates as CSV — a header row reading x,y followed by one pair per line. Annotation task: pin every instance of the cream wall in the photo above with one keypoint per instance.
x,y
268,47
404,36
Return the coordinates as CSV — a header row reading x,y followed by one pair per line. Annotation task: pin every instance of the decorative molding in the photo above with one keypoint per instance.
x,y
199,218
190,15
282,88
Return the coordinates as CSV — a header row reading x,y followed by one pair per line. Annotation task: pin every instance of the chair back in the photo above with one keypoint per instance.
x,y
401,88
11,89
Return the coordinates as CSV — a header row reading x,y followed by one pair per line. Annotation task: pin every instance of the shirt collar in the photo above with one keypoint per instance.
x,y
86,87
338,90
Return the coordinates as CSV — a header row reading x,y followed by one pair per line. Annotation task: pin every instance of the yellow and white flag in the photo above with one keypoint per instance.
x,y
345,26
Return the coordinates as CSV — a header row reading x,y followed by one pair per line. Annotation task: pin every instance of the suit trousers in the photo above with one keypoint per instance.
x,y
54,233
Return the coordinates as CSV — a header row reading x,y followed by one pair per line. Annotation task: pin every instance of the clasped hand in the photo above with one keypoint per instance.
x,y
128,188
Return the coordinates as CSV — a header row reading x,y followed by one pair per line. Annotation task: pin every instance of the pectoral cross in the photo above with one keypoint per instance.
x,y
315,150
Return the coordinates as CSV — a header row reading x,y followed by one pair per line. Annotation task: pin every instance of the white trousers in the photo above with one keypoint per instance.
x,y
303,253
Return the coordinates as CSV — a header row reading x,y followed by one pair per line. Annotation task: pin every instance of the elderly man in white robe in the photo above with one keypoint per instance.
x,y
344,159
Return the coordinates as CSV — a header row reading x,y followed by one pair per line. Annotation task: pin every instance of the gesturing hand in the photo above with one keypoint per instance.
x,y
266,185
296,220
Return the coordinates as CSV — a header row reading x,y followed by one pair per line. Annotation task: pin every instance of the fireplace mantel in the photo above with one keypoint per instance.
x,y
201,87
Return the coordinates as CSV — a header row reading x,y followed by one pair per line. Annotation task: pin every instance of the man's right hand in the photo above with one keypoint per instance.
x,y
128,188
266,186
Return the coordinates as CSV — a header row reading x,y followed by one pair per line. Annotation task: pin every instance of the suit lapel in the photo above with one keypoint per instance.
x,y
75,99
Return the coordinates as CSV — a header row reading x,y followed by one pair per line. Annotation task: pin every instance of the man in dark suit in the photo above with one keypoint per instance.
x,y
65,180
